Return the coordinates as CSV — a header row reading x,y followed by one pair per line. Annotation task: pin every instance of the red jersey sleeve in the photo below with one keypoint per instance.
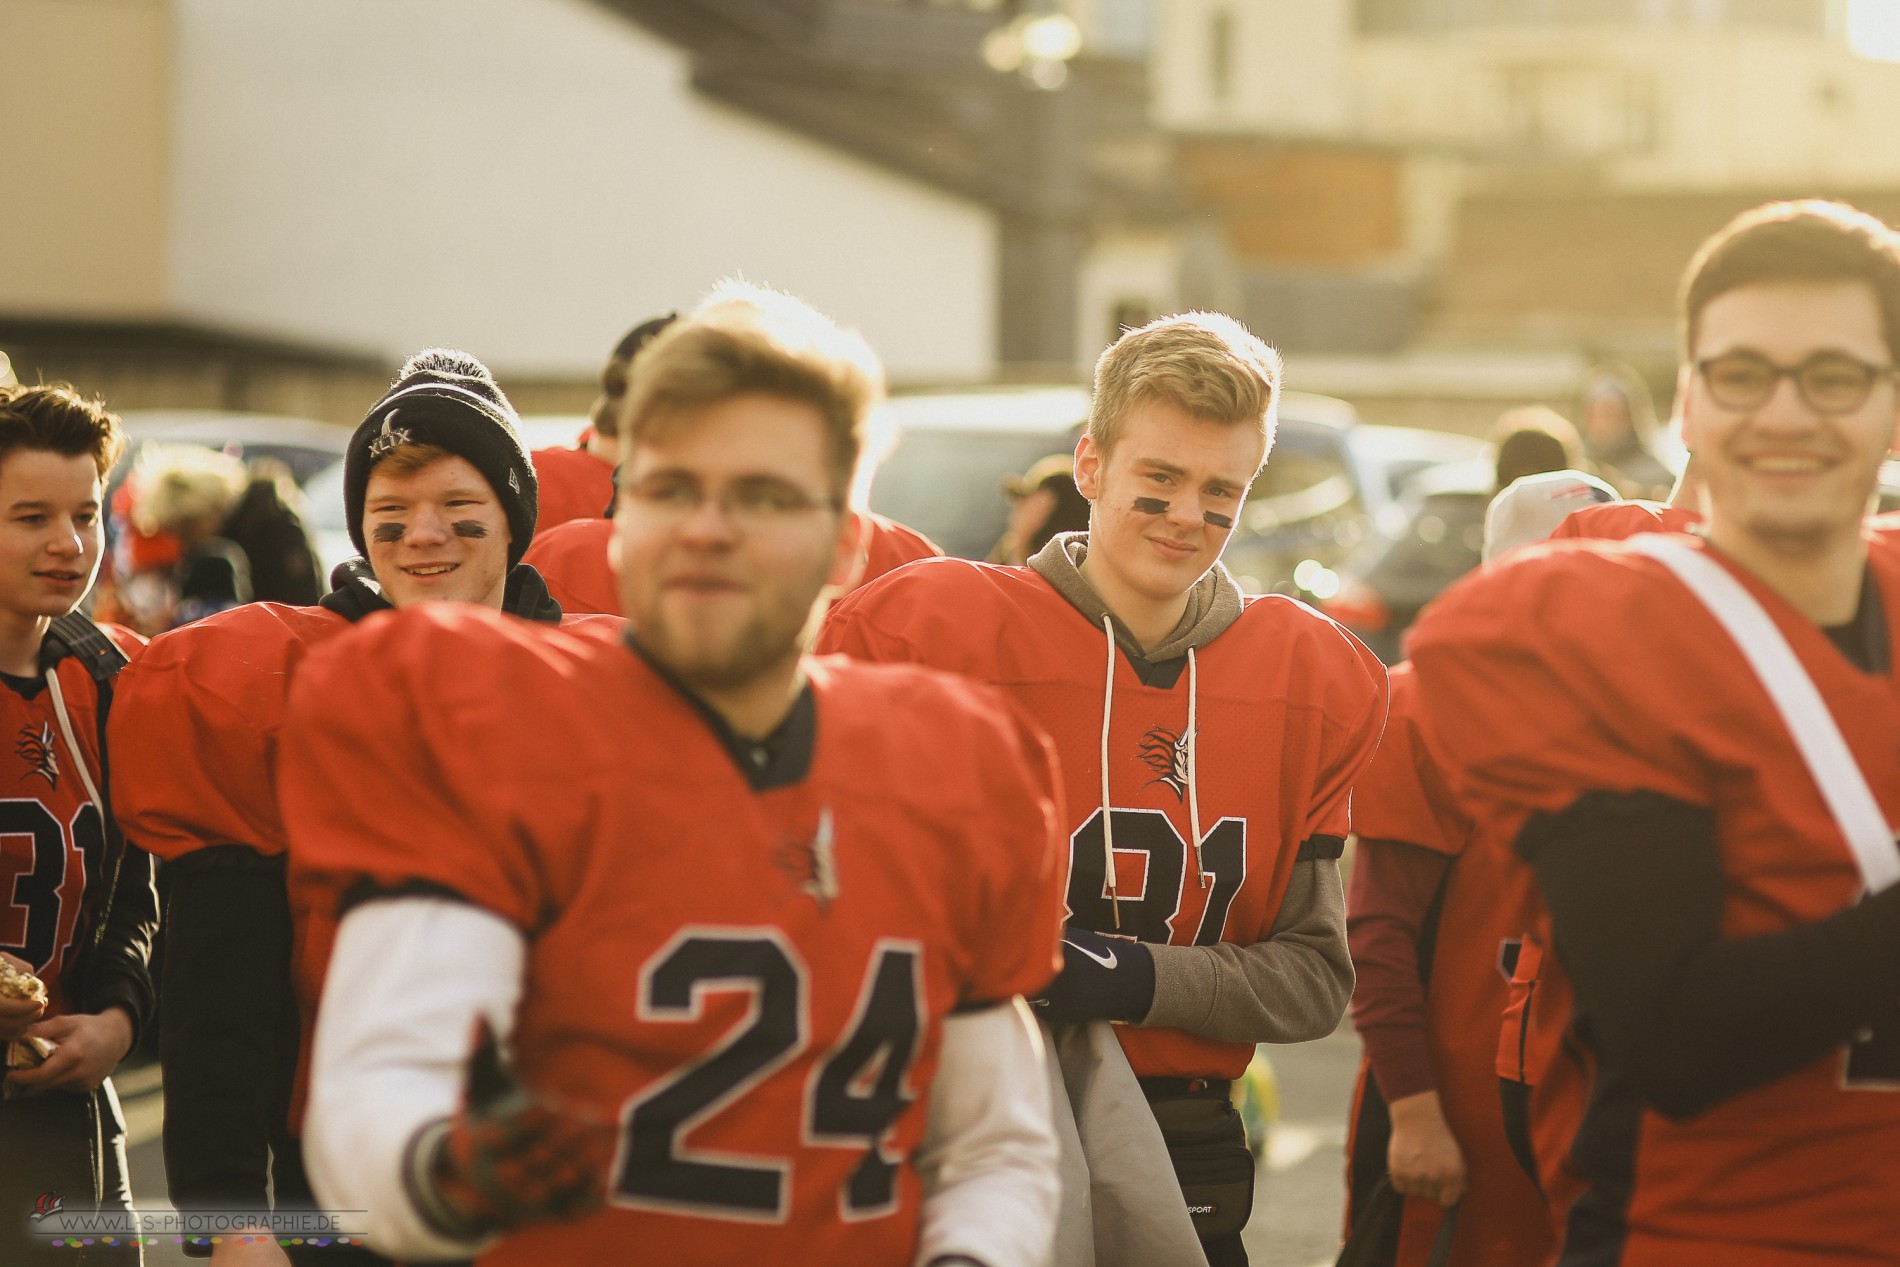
x,y
1536,685
194,726
1352,695
889,545
1403,795
394,772
1017,920
855,626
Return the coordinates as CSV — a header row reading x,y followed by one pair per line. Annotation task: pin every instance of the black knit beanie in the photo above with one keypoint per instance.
x,y
449,399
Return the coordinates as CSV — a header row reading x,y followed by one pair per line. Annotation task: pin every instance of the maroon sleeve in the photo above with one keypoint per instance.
x,y
1393,885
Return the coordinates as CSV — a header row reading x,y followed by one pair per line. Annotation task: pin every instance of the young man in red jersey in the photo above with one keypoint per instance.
x,y
440,499
79,907
1730,1055
1436,921
1208,742
754,925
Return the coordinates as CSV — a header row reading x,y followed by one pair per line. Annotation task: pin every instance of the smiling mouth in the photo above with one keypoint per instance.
x,y
62,576
432,569
1788,465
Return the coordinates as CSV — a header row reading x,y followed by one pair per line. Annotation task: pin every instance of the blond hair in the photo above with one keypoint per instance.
x,y
184,489
746,339
1205,363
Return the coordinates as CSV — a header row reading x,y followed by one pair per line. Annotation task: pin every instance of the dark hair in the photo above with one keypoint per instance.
x,y
57,419
613,375
1532,440
1807,241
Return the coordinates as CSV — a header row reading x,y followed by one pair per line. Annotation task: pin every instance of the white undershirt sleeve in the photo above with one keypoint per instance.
x,y
988,1156
407,980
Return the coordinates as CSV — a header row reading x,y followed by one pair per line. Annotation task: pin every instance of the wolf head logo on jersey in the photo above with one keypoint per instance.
x,y
1165,751
35,746
810,863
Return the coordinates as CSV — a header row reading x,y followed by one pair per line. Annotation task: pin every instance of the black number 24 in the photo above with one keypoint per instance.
x,y
851,1098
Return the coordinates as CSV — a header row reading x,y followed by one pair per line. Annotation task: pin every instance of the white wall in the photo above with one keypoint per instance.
x,y
1682,109
1291,65
526,179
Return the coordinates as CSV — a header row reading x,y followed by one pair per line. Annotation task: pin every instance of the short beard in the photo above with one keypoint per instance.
x,y
772,637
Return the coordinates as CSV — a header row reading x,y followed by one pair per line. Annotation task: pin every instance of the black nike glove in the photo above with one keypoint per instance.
x,y
1102,979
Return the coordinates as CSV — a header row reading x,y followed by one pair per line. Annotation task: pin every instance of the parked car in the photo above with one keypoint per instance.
x,y
303,444
1328,486
1436,536
952,450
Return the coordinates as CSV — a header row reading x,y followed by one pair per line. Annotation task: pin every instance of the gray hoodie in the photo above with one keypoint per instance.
x,y
1295,985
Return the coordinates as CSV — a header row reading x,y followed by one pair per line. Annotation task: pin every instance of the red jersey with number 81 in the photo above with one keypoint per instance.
x,y
1287,708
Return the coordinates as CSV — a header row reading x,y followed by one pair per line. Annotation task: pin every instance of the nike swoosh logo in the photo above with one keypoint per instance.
x,y
1106,959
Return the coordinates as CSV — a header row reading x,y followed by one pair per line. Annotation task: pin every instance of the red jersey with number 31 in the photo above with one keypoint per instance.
x,y
52,842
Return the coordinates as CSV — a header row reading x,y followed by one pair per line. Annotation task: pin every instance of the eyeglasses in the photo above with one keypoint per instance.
x,y
747,504
1830,382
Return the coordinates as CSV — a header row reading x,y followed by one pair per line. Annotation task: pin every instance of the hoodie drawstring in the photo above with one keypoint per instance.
x,y
1108,811
1193,772
1193,766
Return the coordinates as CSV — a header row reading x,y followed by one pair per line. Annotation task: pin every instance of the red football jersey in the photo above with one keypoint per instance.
x,y
889,545
1288,708
1614,521
1484,910
753,982
1586,666
572,559
216,691
573,484
52,842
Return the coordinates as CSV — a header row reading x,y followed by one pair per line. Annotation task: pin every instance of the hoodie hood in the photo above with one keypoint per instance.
x,y
1213,604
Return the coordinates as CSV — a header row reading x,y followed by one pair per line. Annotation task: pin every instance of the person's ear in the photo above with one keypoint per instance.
x,y
1089,459
850,550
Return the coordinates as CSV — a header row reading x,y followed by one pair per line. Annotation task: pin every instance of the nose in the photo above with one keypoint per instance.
x,y
428,525
1184,513
708,523
69,541
1785,409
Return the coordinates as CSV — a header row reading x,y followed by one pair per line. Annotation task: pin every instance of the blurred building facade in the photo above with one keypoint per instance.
x,y
1434,206
264,204
1412,192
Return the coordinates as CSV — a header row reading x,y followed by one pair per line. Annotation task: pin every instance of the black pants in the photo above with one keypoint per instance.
x,y
68,1148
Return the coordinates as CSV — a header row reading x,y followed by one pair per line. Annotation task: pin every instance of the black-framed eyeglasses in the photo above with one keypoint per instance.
x,y
752,503
1830,382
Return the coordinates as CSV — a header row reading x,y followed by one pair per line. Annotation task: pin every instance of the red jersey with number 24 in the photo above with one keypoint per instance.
x,y
753,982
